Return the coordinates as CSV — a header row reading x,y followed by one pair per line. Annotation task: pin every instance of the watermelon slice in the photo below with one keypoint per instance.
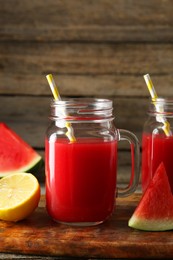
x,y
15,154
155,209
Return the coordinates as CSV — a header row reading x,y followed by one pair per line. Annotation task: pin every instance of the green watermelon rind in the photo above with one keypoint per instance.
x,y
32,167
151,225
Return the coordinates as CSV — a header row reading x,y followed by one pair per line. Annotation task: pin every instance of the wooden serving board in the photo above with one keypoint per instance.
x,y
39,235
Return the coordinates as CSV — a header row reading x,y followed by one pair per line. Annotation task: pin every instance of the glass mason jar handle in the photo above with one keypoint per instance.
x,y
135,162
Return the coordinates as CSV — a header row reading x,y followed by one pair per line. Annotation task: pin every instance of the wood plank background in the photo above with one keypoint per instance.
x,y
94,48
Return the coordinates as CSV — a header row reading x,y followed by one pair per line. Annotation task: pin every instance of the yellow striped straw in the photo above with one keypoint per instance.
x,y
150,86
53,87
56,96
154,96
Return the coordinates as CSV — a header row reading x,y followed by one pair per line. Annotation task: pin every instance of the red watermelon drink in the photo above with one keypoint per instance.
x,y
80,179
156,148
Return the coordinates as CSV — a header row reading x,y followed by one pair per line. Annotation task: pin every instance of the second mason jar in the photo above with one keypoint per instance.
x,y
81,161
157,140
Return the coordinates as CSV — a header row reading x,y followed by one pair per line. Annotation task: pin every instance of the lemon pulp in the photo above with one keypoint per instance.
x,y
19,196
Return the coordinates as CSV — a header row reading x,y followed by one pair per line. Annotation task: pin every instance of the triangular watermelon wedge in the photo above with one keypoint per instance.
x,y
15,154
155,209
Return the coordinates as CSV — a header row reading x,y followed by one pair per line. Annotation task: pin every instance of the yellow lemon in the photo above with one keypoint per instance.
x,y
19,196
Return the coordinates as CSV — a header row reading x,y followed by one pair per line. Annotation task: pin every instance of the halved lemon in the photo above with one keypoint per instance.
x,y
19,196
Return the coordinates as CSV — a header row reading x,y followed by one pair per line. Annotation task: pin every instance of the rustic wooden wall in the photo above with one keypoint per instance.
x,y
97,48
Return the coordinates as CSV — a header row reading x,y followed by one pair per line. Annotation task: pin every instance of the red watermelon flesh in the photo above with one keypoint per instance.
x,y
155,209
15,154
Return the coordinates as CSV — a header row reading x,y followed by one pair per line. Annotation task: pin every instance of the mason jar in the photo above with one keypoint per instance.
x,y
157,140
81,161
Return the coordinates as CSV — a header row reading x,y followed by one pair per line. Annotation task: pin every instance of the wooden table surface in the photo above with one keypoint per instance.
x,y
39,237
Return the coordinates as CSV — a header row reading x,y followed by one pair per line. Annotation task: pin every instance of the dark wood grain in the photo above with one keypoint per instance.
x,y
80,20
40,235
85,69
75,58
84,85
